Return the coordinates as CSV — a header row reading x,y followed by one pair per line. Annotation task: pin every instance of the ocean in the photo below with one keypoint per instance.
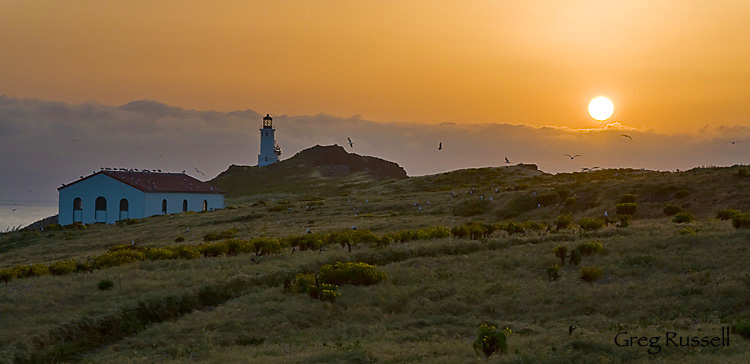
x,y
24,213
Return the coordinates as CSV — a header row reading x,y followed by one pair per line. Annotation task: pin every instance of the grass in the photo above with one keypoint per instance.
x,y
436,294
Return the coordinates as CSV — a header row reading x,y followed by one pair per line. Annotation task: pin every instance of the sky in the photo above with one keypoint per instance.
x,y
186,80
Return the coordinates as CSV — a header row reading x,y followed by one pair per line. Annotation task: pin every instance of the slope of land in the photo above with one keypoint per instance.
x,y
658,275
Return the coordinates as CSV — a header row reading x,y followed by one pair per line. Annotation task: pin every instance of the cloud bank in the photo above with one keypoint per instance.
x,y
45,144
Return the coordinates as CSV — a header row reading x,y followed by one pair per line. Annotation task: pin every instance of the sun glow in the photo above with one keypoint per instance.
x,y
600,108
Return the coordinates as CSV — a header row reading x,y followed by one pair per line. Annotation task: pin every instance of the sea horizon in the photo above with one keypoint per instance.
x,y
22,213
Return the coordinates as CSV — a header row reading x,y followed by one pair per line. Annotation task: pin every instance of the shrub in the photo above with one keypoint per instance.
x,y
228,234
266,246
184,252
570,200
434,232
575,257
490,341
742,328
237,246
7,275
563,221
357,274
627,198
682,193
87,266
552,272
23,271
105,284
460,231
671,209
561,251
62,267
741,221
627,208
683,217
302,283
119,257
327,292
38,270
533,226
158,254
179,239
625,220
586,249
726,214
590,224
591,274
213,249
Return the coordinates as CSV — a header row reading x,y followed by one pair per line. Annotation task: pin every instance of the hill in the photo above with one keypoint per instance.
x,y
236,307
312,170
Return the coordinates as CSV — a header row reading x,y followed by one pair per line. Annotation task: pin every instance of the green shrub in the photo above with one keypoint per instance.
x,y
726,214
490,341
213,249
228,234
589,224
561,251
302,283
87,266
688,231
742,328
671,209
357,274
237,246
627,208
434,232
552,272
460,231
575,257
184,252
158,254
628,198
327,292
105,284
589,248
38,270
683,217
741,221
470,208
591,274
62,267
266,246
7,275
179,239
23,271
119,257
570,200
533,226
563,222
625,220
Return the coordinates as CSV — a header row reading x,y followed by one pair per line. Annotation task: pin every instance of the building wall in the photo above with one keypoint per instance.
x,y
92,188
267,144
153,202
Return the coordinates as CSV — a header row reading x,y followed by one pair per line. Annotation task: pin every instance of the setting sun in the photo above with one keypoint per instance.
x,y
601,108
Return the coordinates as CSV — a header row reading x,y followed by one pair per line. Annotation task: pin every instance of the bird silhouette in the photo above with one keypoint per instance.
x,y
440,147
572,156
627,136
507,161
15,209
736,141
197,170
351,145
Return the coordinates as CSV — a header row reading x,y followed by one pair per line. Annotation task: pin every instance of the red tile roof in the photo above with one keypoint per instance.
x,y
157,182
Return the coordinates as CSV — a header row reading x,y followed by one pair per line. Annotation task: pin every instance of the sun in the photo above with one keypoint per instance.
x,y
600,108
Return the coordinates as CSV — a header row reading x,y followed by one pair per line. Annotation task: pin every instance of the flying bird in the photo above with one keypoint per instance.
x,y
15,209
736,141
507,161
627,136
572,156
197,170
351,145
440,147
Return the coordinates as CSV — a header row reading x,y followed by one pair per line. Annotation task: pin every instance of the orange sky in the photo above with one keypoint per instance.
x,y
671,66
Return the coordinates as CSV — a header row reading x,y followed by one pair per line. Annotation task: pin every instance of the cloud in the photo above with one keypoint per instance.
x,y
45,144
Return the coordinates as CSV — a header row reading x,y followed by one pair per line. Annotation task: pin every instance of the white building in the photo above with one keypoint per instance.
x,y
269,150
109,196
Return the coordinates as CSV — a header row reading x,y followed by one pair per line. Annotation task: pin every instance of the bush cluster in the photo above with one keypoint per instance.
x,y
671,209
726,214
490,341
628,198
563,222
589,248
591,274
589,224
357,274
741,221
228,234
626,208
683,217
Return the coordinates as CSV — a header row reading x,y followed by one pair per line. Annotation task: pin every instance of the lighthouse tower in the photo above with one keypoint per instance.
x,y
269,150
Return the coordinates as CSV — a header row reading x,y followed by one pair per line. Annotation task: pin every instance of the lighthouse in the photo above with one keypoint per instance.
x,y
269,150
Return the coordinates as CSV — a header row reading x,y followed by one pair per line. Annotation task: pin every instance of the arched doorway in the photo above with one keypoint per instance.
x,y
124,207
184,206
77,210
205,205
164,207
100,209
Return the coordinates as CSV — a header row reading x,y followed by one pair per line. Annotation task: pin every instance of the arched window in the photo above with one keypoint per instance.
x,y
124,207
77,207
184,205
100,209
164,207
205,205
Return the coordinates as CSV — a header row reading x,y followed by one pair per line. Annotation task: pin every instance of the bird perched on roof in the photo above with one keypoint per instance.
x,y
627,136
351,145
440,147
572,156
507,161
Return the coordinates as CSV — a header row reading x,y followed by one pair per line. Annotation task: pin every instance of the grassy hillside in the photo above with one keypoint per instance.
x,y
658,275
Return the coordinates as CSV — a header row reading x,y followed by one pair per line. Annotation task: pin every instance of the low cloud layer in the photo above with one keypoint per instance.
x,y
45,144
